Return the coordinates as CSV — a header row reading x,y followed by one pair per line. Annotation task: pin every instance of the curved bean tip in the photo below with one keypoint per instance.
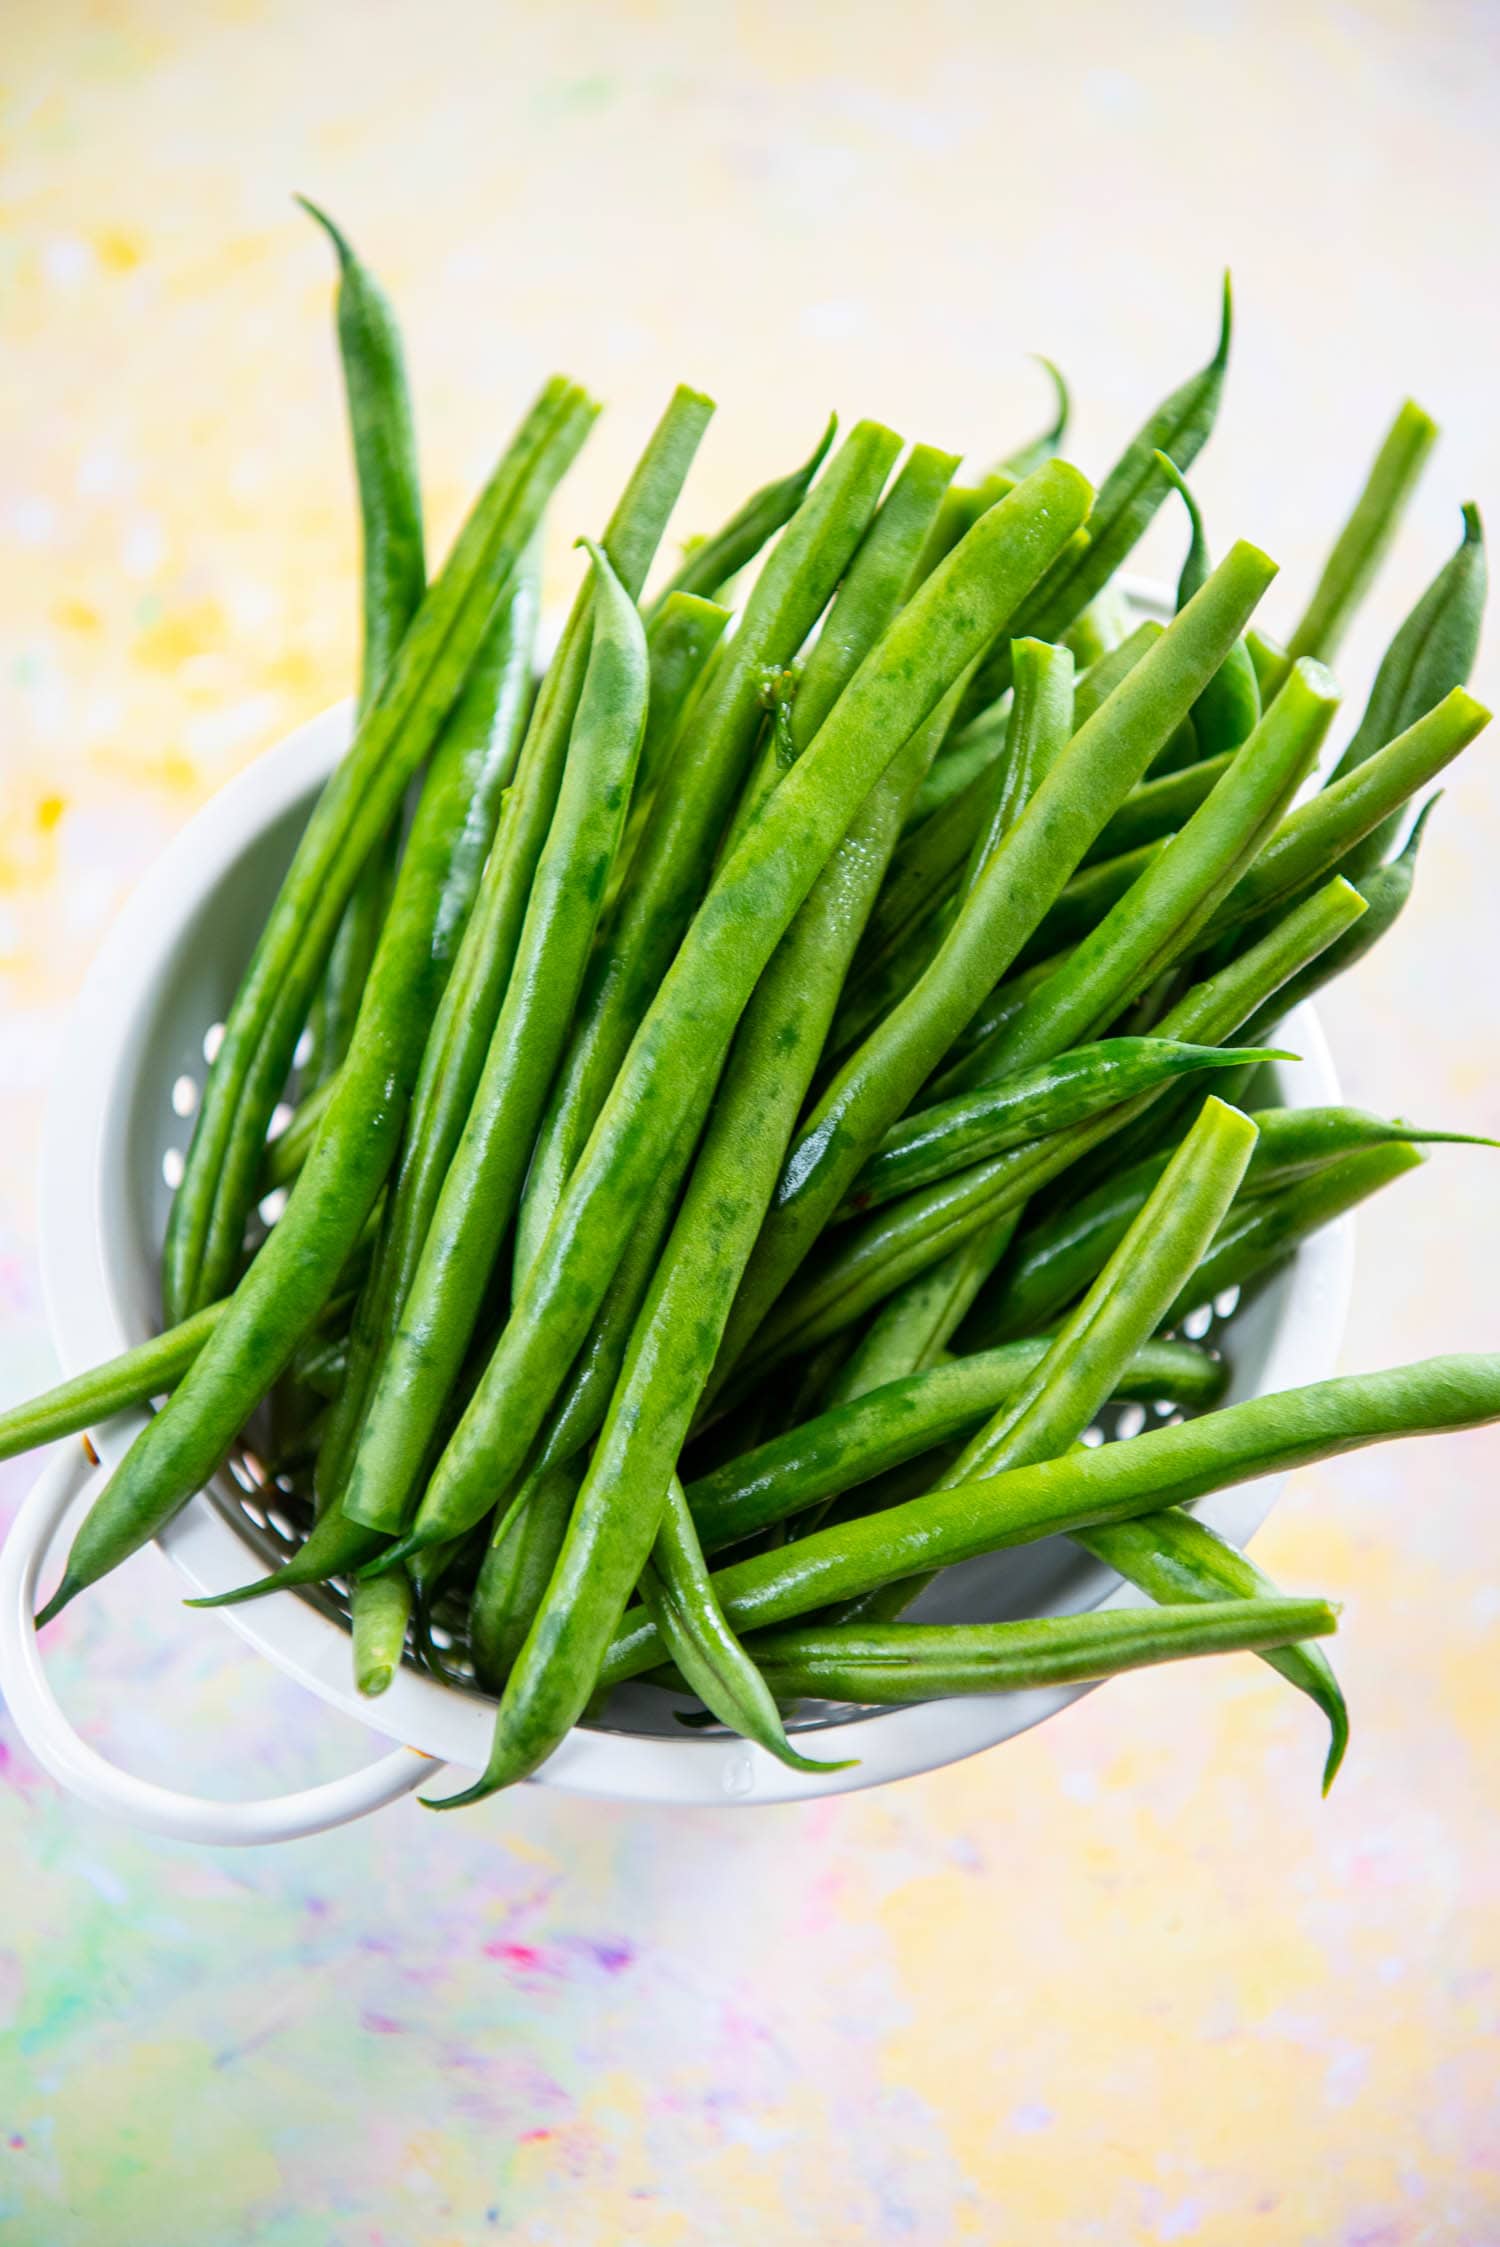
x,y
67,1590
1059,382
1473,526
1414,840
1226,323
334,232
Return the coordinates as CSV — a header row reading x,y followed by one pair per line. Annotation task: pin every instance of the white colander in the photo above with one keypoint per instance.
x,y
132,1061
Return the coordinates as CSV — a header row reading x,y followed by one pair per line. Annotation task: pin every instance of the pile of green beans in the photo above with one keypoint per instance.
x,y
765,1085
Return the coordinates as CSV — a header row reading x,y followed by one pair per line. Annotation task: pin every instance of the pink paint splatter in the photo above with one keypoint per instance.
x,y
381,2024
15,2141
534,2137
525,1958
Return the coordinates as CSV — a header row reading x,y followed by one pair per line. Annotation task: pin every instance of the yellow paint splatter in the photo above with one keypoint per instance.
x,y
194,629
118,252
75,616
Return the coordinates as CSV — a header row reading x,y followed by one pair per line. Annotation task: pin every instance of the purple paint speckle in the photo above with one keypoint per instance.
x,y
381,2024
1032,2117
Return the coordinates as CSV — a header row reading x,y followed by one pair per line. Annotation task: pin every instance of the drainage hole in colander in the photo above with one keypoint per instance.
x,y
213,1038
185,1096
172,1167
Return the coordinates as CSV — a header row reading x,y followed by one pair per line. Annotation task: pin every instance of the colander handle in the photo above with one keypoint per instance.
x,y
57,1747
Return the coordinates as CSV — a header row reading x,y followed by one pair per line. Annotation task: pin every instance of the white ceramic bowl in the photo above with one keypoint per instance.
x,y
166,973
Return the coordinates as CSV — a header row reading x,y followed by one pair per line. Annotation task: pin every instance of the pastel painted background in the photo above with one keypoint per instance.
x,y
1128,1980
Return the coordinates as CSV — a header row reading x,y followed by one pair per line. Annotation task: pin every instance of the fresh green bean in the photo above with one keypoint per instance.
x,y
151,1369
1311,841
962,506
891,1664
1060,1253
1084,786
672,864
1259,1237
1432,653
395,578
1228,710
1361,545
924,651
980,754
1157,808
206,1224
852,1442
679,1596
712,563
454,1055
683,640
1157,920
437,1320
1175,1559
1167,1466
912,1328
516,1568
868,1261
380,1612
1055,1402
1270,661
296,1270
1099,681
1128,498
932,1142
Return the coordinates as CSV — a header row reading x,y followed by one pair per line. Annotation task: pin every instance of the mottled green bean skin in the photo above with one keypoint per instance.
x,y
1261,1236
437,1321
711,563
515,1571
1165,1466
890,1664
679,1596
1174,1558
150,1370
297,1268
1312,840
673,861
206,1225
924,651
1026,872
1128,498
852,1442
1228,710
380,1613
395,578
455,1051
1362,543
1059,1254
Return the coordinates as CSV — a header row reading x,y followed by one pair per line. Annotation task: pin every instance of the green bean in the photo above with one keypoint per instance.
x,y
516,1568
979,754
1360,546
1085,785
895,1663
151,1369
1167,1466
1039,726
912,1328
1056,1401
962,506
1028,456
852,1442
380,1612
1176,1559
924,651
683,640
1157,920
1060,1253
872,591
1102,626
868,1261
1099,681
1084,902
296,1270
1158,807
1311,841
932,1142
1433,652
1128,498
1228,710
395,578
205,1228
454,1055
671,867
437,1320
1261,1236
679,1597
1385,892
712,563
1270,662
